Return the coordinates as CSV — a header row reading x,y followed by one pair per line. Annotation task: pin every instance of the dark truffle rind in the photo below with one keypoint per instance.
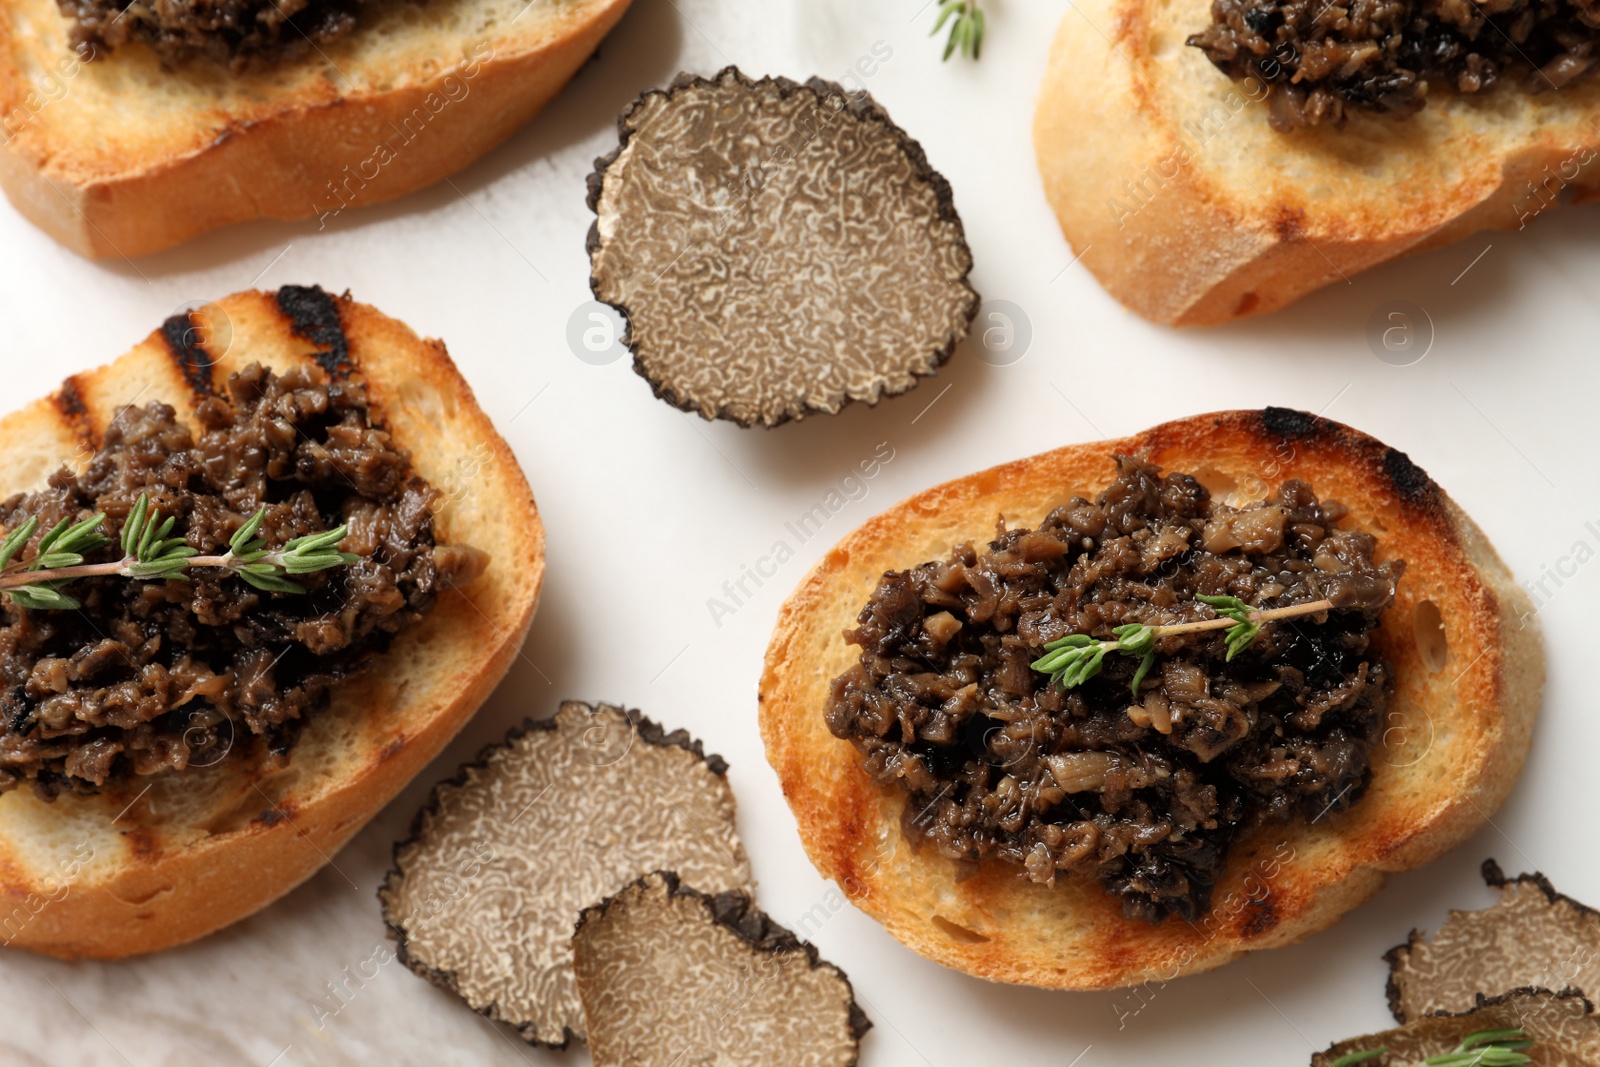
x,y
738,912
648,731
858,104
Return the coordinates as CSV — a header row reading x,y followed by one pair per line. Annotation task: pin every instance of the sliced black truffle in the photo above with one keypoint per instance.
x,y
1563,1028
484,894
776,248
1532,936
670,975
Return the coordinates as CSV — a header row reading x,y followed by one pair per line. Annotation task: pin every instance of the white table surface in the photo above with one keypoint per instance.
x,y
1499,412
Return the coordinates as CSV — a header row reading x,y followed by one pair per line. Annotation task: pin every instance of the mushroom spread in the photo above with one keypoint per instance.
x,y
1146,792
151,676
235,32
1320,58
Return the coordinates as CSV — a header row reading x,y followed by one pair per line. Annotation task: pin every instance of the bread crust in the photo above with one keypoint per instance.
x,y
135,871
1457,732
1191,210
282,144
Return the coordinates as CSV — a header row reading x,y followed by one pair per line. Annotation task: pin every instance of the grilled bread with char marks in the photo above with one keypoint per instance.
x,y
1461,638
172,857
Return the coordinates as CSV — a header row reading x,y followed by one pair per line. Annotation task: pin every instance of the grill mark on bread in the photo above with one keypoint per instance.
x,y
69,403
1408,479
1290,423
193,361
314,316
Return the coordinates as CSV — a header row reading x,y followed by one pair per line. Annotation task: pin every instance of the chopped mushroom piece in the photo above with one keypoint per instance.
x,y
672,976
484,895
776,248
1563,1029
1533,936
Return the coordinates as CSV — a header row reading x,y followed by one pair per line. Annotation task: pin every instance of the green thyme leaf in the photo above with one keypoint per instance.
x,y
1070,641
316,542
1486,1048
172,566
240,543
1229,606
51,536
43,596
1135,638
1494,1037
270,582
1351,1058
1240,637
1144,668
966,23
133,527
16,539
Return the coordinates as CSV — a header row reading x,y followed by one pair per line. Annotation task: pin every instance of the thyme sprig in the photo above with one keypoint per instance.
x,y
1072,660
966,27
1486,1048
150,550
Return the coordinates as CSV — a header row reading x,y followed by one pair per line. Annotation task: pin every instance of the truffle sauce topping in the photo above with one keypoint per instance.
x,y
239,33
155,676
999,763
1320,59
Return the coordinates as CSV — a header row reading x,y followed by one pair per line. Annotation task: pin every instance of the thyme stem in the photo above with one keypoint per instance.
x,y
149,550
12,578
1255,616
1076,658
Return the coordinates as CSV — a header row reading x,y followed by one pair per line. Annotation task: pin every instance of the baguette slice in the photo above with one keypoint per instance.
x,y
116,156
1458,727
132,872
1191,210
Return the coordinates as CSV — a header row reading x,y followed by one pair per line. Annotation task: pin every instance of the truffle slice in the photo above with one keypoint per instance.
x,y
1562,1026
483,896
1533,936
776,248
670,975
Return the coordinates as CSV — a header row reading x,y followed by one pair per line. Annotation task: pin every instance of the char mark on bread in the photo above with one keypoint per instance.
x,y
315,317
1290,423
68,400
1409,480
183,337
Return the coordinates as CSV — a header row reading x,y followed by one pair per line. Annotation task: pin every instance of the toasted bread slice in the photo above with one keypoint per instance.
x,y
1191,210
116,156
1461,637
173,857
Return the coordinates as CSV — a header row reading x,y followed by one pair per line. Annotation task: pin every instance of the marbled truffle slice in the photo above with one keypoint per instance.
x,y
1532,936
671,976
484,895
777,248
